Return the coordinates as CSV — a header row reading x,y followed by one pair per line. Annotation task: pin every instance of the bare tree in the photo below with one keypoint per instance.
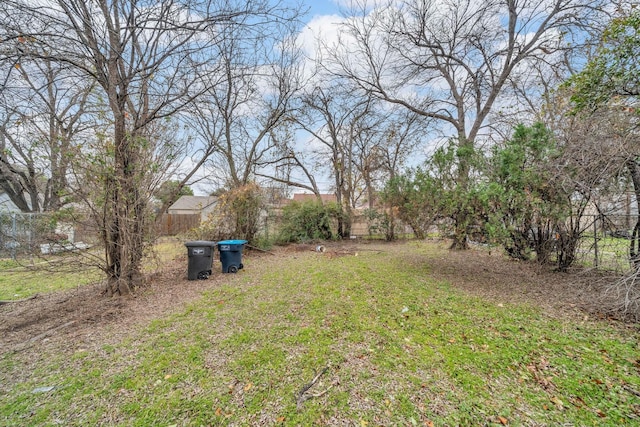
x,y
145,57
43,114
335,119
451,60
289,164
608,139
251,85
401,137
248,86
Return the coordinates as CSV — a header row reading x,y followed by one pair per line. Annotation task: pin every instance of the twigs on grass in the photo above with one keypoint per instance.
x,y
45,334
260,250
625,293
303,395
631,390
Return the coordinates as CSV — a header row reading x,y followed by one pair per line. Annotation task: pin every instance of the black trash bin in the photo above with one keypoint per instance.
x,y
200,259
231,255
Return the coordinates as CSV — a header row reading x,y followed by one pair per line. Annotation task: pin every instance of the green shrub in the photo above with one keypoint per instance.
x,y
263,241
306,221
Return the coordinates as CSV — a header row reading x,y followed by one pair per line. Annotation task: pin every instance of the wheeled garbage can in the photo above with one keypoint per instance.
x,y
231,255
200,259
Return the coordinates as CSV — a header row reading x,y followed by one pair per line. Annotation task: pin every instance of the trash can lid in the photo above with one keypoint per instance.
x,y
200,243
232,242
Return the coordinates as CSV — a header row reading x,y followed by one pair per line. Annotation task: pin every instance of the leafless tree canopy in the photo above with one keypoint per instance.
x,y
42,108
148,61
248,97
453,60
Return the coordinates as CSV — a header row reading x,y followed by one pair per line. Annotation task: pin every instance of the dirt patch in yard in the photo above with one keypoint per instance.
x,y
75,317
491,275
84,317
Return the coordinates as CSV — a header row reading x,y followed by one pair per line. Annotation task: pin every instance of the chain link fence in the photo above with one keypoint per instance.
x,y
29,235
604,244
22,233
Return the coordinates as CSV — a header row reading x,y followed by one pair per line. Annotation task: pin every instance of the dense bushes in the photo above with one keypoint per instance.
x,y
306,221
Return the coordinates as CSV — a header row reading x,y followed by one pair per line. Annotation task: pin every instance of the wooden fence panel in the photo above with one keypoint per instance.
x,y
172,224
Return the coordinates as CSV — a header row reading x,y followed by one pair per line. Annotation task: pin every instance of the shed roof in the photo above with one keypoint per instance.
x,y
193,203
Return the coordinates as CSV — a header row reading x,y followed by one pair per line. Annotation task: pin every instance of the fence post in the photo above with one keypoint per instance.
x,y
29,234
595,240
14,235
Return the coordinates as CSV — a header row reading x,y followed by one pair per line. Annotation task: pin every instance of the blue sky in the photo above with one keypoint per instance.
x,y
321,7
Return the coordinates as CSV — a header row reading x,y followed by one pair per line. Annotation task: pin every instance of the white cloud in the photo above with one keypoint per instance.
x,y
321,30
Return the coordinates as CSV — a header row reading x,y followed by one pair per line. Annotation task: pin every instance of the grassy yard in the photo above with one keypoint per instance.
x,y
20,279
385,343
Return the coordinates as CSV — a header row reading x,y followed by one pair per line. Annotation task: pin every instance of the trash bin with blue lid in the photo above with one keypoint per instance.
x,y
200,254
231,255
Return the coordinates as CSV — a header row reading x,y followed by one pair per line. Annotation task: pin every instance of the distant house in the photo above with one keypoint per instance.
x,y
6,205
305,197
189,205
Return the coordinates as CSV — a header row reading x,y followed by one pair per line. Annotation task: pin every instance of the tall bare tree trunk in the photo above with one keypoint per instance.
x,y
634,245
124,235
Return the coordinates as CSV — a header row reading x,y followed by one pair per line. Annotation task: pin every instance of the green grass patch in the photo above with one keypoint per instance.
x,y
166,249
58,272
27,282
399,348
